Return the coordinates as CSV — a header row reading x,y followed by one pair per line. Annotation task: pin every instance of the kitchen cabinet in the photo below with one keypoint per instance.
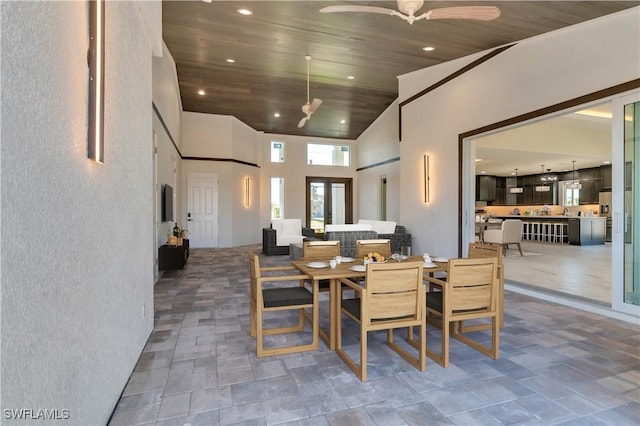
x,y
590,180
587,230
500,199
485,188
605,178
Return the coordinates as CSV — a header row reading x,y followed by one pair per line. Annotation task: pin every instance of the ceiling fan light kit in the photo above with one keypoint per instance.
x,y
407,11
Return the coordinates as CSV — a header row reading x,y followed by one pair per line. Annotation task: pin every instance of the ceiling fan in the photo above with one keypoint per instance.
x,y
408,8
308,108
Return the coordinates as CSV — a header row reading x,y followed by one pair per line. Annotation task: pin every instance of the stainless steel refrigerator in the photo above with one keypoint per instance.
x,y
605,211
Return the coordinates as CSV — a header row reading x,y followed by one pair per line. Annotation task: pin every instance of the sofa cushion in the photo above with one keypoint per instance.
x,y
288,231
380,226
285,240
347,227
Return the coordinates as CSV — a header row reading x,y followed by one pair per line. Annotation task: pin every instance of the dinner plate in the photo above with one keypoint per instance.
x,y
440,259
429,265
347,259
317,264
358,268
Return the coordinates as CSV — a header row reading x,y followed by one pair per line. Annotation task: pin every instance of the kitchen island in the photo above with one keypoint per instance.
x,y
543,228
584,231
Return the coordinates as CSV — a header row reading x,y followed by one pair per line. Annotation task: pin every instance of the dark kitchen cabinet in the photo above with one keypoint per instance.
x,y
485,188
605,178
501,194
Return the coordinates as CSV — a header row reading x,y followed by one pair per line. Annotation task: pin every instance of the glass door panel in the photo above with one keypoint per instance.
x,y
631,200
625,174
329,201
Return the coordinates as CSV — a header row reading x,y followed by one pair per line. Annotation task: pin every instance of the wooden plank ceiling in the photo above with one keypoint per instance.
x,y
269,72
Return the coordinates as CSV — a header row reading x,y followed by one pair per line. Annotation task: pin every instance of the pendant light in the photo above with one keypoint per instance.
x,y
548,177
574,183
517,189
543,188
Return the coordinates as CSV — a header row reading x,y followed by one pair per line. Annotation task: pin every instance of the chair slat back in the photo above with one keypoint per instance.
x,y
320,250
364,247
394,290
481,250
472,284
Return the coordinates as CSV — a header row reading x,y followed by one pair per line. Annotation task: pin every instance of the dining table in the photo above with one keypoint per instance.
x,y
316,272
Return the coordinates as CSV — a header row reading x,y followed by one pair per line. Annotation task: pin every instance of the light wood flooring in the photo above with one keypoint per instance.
x,y
578,271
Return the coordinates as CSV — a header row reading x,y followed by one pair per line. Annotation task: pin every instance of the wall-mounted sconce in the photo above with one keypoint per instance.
x,y
426,178
247,199
95,144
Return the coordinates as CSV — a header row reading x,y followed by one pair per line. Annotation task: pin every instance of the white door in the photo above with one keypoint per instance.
x,y
202,209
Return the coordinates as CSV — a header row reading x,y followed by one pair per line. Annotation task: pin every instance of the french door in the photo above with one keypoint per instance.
x,y
329,201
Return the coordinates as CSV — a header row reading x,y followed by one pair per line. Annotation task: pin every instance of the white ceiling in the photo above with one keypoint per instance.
x,y
553,142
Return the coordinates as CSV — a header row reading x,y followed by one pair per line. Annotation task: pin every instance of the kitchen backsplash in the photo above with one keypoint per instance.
x,y
587,210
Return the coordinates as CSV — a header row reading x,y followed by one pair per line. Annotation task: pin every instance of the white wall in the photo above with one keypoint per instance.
x,y
75,277
377,144
536,73
209,136
295,170
166,93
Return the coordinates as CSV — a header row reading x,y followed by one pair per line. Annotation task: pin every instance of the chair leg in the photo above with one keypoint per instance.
x,y
494,350
359,370
520,249
418,362
443,357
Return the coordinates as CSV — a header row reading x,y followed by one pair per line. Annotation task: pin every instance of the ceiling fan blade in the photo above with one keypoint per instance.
x,y
347,8
301,123
314,105
480,13
306,107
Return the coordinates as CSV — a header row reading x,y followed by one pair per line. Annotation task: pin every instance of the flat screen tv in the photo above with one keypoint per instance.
x,y
167,203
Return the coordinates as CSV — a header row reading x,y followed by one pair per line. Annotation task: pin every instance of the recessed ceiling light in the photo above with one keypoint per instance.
x,y
350,77
428,48
231,61
343,121
607,162
246,12
276,115
513,173
201,92
483,172
478,160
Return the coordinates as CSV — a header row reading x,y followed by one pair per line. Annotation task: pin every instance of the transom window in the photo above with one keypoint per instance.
x,y
277,152
328,155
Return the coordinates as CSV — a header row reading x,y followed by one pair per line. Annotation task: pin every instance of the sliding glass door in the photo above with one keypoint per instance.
x,y
626,204
329,201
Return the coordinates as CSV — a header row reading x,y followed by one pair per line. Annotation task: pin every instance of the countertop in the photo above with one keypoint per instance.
x,y
555,217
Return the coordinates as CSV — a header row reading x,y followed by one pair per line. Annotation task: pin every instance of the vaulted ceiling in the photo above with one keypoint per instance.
x,y
269,48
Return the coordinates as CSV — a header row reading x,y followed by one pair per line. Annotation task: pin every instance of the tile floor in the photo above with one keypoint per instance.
x,y
582,271
558,365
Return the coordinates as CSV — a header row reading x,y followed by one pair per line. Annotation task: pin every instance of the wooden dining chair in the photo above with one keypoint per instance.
x,y
470,292
480,251
284,291
364,247
320,250
392,297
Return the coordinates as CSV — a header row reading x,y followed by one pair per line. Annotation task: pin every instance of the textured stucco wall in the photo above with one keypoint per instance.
x,y
76,273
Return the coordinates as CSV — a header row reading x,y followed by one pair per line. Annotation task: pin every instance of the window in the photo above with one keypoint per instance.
x,y
277,152
327,155
571,193
277,198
